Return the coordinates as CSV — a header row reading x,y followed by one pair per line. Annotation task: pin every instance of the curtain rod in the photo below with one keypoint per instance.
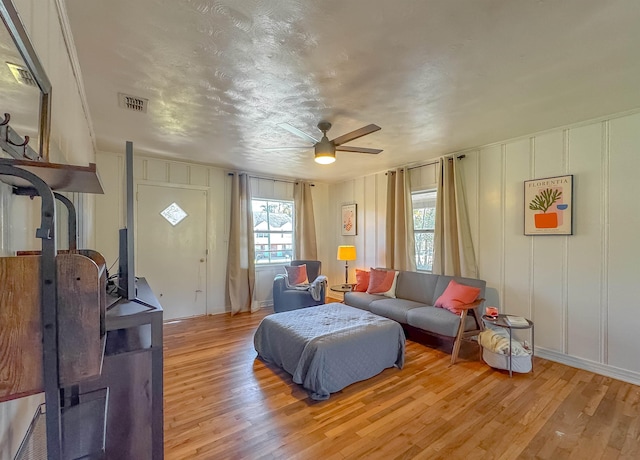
x,y
448,157
459,157
270,178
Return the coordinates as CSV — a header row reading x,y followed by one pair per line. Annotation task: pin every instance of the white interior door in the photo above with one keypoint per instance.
x,y
171,247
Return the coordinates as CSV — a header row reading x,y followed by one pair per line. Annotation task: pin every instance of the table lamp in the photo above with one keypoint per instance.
x,y
346,253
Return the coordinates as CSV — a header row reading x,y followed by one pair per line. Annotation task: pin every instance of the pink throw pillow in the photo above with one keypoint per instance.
x,y
362,281
457,295
383,282
297,274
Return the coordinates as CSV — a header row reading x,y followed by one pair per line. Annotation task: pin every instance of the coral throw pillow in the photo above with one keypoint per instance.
x,y
456,295
383,282
297,274
362,281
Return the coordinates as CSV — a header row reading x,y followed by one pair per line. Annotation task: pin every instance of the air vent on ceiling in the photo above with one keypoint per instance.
x,y
22,74
137,104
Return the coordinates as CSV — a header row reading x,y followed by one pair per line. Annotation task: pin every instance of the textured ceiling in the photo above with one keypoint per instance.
x,y
437,76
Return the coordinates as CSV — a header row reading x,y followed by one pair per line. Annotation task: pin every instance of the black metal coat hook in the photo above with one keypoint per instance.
x,y
22,144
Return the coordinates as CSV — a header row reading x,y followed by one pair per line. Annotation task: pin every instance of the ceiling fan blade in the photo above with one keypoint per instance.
x,y
357,149
356,134
277,149
297,132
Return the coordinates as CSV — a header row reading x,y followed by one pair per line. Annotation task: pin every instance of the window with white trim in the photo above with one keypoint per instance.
x,y
424,219
273,231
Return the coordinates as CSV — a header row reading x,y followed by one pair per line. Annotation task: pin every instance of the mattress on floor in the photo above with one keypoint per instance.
x,y
329,347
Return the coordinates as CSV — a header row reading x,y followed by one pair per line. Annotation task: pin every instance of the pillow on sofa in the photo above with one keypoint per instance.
x,y
362,281
383,282
456,295
297,274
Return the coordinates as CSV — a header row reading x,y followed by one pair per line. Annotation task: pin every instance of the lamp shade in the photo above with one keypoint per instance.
x,y
346,253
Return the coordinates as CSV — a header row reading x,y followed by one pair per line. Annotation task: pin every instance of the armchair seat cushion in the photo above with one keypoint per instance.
x,y
293,300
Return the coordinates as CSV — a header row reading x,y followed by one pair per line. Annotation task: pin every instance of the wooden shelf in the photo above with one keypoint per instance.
x,y
59,177
81,322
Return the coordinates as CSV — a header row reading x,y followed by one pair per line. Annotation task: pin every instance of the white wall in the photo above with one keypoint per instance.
x,y
71,142
581,290
369,195
146,169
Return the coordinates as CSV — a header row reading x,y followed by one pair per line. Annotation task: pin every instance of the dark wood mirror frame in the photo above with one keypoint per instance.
x,y
17,31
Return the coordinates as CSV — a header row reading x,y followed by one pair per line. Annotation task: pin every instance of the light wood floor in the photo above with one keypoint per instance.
x,y
222,403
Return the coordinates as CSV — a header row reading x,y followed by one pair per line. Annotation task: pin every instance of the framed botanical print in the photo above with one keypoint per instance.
x,y
548,206
349,218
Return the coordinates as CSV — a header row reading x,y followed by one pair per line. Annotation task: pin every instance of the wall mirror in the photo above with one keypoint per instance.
x,y
25,89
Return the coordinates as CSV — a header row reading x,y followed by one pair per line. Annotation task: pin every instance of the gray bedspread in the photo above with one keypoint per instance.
x,y
328,347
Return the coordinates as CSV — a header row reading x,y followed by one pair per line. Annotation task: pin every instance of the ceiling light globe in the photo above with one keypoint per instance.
x,y
325,159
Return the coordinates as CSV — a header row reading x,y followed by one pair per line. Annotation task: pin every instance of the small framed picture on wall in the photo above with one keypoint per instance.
x,y
349,218
548,206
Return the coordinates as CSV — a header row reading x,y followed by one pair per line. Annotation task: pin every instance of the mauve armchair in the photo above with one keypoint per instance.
x,y
285,299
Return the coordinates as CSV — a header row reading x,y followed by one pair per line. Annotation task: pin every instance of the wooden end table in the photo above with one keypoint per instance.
x,y
342,287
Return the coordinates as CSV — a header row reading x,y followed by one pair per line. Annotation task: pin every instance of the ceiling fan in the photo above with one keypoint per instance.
x,y
325,150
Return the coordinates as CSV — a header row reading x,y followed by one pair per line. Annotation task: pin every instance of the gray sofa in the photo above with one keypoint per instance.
x,y
413,306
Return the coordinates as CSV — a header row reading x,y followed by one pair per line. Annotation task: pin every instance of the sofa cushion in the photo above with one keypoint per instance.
x,y
443,282
438,321
297,274
383,282
395,309
360,300
457,295
417,286
362,281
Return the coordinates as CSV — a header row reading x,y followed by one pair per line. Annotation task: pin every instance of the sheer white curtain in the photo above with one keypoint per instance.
x,y
453,247
400,243
305,246
241,271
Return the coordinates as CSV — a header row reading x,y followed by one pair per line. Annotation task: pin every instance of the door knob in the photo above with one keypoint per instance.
x,y
201,260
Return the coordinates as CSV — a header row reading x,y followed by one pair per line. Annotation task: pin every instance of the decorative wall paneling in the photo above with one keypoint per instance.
x,y
369,194
622,218
581,290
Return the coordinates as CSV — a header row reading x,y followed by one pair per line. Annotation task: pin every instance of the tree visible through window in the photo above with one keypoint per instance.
x,y
272,231
424,219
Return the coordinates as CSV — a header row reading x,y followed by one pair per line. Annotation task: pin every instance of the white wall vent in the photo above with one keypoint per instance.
x,y
137,104
22,74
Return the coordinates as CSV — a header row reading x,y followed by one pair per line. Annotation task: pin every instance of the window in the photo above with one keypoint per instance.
x,y
272,231
424,218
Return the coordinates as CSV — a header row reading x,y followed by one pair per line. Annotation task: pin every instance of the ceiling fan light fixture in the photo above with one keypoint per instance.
x,y
325,158
325,151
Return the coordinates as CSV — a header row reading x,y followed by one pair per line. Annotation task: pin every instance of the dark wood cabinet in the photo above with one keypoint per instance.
x,y
132,370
